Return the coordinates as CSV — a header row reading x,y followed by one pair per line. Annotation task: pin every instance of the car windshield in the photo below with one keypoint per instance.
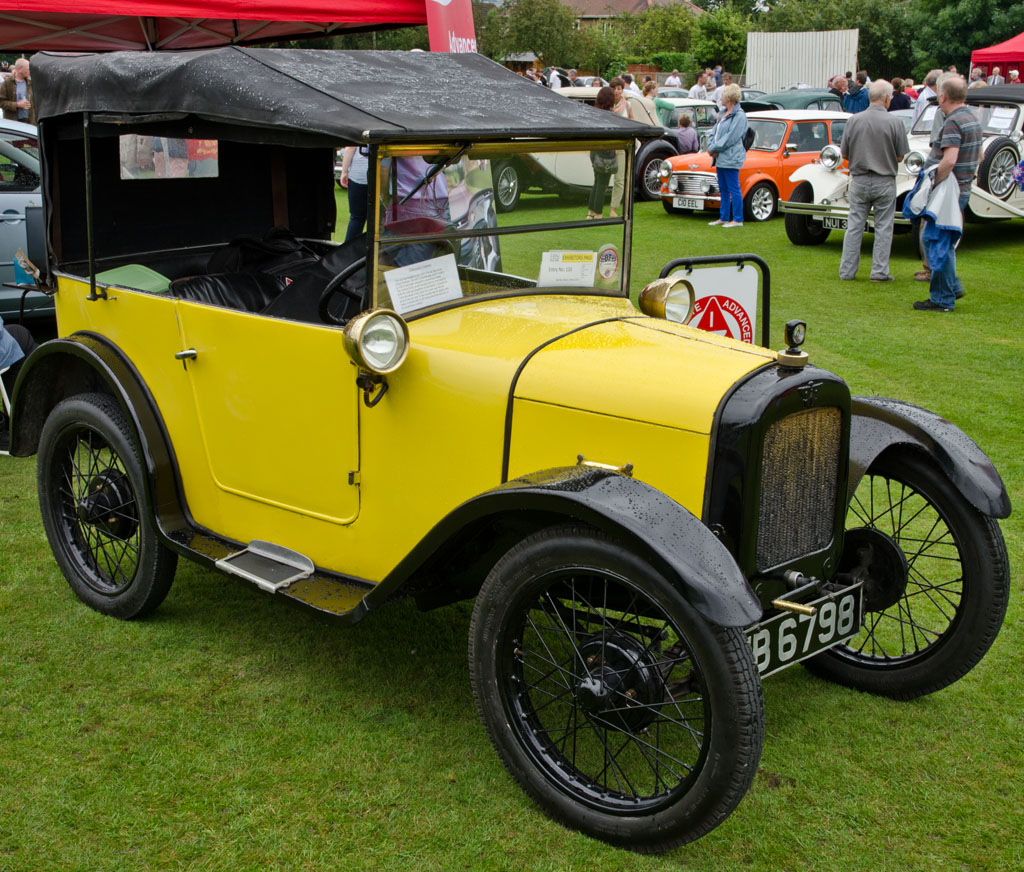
x,y
441,241
996,120
767,134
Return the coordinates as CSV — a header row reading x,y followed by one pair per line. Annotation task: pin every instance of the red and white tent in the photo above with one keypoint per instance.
x,y
112,25
1006,55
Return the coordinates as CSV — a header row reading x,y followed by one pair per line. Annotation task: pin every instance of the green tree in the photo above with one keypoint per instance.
x,y
663,28
947,31
597,49
721,37
544,27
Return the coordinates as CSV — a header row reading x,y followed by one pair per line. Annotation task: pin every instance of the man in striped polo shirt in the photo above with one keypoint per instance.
x,y
955,151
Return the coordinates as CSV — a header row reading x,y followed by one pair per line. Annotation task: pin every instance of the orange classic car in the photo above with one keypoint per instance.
x,y
784,141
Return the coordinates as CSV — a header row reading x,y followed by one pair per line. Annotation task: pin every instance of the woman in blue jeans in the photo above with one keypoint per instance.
x,y
726,146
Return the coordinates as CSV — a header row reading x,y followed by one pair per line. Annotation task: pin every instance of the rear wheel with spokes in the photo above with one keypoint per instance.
x,y
619,709
936,610
91,494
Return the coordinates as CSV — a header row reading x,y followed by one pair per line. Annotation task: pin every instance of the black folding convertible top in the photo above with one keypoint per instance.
x,y
357,96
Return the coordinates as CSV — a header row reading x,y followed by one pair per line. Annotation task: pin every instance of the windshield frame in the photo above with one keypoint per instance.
x,y
377,238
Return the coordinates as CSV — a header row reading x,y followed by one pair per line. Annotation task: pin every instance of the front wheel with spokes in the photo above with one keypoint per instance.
x,y
934,609
611,701
91,495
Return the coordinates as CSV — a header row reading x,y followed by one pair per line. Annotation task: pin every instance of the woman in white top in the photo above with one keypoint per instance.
x,y
622,108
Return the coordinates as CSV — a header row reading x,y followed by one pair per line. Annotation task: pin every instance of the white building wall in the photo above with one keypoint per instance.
x,y
775,60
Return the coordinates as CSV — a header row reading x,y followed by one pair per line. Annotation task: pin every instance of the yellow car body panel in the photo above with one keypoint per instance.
x,y
273,440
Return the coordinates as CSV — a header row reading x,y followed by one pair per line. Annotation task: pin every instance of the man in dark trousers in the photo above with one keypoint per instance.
x,y
874,142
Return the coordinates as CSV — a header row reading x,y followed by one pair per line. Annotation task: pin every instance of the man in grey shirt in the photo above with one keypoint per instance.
x,y
874,143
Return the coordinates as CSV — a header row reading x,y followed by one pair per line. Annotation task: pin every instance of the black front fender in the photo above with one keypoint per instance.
x,y
880,424
675,541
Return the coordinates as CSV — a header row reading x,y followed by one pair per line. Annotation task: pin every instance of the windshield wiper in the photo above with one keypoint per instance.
x,y
433,171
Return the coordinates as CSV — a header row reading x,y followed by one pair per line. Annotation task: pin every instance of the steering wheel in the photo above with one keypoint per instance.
x,y
334,286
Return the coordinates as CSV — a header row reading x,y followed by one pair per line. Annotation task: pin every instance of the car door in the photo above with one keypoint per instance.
x,y
19,187
278,410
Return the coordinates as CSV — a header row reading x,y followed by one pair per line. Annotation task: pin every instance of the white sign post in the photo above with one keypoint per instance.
x,y
726,300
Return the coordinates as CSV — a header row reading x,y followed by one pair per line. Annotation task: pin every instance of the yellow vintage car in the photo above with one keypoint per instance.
x,y
458,404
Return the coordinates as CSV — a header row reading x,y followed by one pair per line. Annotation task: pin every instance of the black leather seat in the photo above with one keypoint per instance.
x,y
249,292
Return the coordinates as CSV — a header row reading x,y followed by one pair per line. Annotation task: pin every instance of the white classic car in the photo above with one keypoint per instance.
x,y
819,204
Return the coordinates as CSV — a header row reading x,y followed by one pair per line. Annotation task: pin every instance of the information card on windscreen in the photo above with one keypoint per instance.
x,y
567,268
423,284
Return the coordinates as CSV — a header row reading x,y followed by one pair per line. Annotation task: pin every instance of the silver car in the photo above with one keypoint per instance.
x,y
19,188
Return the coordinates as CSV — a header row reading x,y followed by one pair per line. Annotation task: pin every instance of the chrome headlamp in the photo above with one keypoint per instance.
x,y
664,169
831,157
914,162
672,299
377,340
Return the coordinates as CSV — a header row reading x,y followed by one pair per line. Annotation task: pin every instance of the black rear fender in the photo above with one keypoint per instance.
x,y
85,363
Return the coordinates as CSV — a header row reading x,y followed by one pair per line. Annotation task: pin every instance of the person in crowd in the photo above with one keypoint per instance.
x,y
995,78
16,343
621,107
605,163
839,86
910,90
663,106
686,135
927,92
5,69
857,95
574,79
700,91
726,148
719,91
956,151
630,85
718,76
976,79
874,143
354,168
16,94
951,68
673,81
1014,77
899,99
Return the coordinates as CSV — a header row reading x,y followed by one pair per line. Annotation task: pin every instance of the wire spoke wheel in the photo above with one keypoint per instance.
x,y
92,498
99,510
935,621
613,703
604,691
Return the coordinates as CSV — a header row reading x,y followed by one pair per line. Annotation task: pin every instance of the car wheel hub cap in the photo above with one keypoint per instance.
x,y
619,682
109,505
882,564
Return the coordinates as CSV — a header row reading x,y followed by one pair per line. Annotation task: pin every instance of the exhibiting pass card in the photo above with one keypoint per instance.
x,y
567,268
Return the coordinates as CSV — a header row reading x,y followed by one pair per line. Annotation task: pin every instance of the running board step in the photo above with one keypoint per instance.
x,y
270,567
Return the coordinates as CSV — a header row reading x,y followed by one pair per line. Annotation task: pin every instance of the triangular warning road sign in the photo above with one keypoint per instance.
x,y
712,319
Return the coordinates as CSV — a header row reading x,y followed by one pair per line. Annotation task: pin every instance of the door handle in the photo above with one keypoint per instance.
x,y
187,354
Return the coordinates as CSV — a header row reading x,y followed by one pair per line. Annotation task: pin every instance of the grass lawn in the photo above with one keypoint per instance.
x,y
228,733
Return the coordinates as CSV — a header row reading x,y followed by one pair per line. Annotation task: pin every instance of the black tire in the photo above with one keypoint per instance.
x,y
957,585
93,501
802,229
761,203
672,210
507,185
648,182
995,172
685,735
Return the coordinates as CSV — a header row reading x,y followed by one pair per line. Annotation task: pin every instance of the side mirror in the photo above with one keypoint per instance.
x,y
790,148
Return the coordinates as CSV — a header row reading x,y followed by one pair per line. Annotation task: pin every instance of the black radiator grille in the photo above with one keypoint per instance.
x,y
799,480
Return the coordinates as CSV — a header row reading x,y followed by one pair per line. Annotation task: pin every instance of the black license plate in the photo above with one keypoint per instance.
x,y
789,638
834,223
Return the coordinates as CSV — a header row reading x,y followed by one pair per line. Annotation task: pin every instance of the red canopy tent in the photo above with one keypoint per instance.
x,y
1006,55
112,25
